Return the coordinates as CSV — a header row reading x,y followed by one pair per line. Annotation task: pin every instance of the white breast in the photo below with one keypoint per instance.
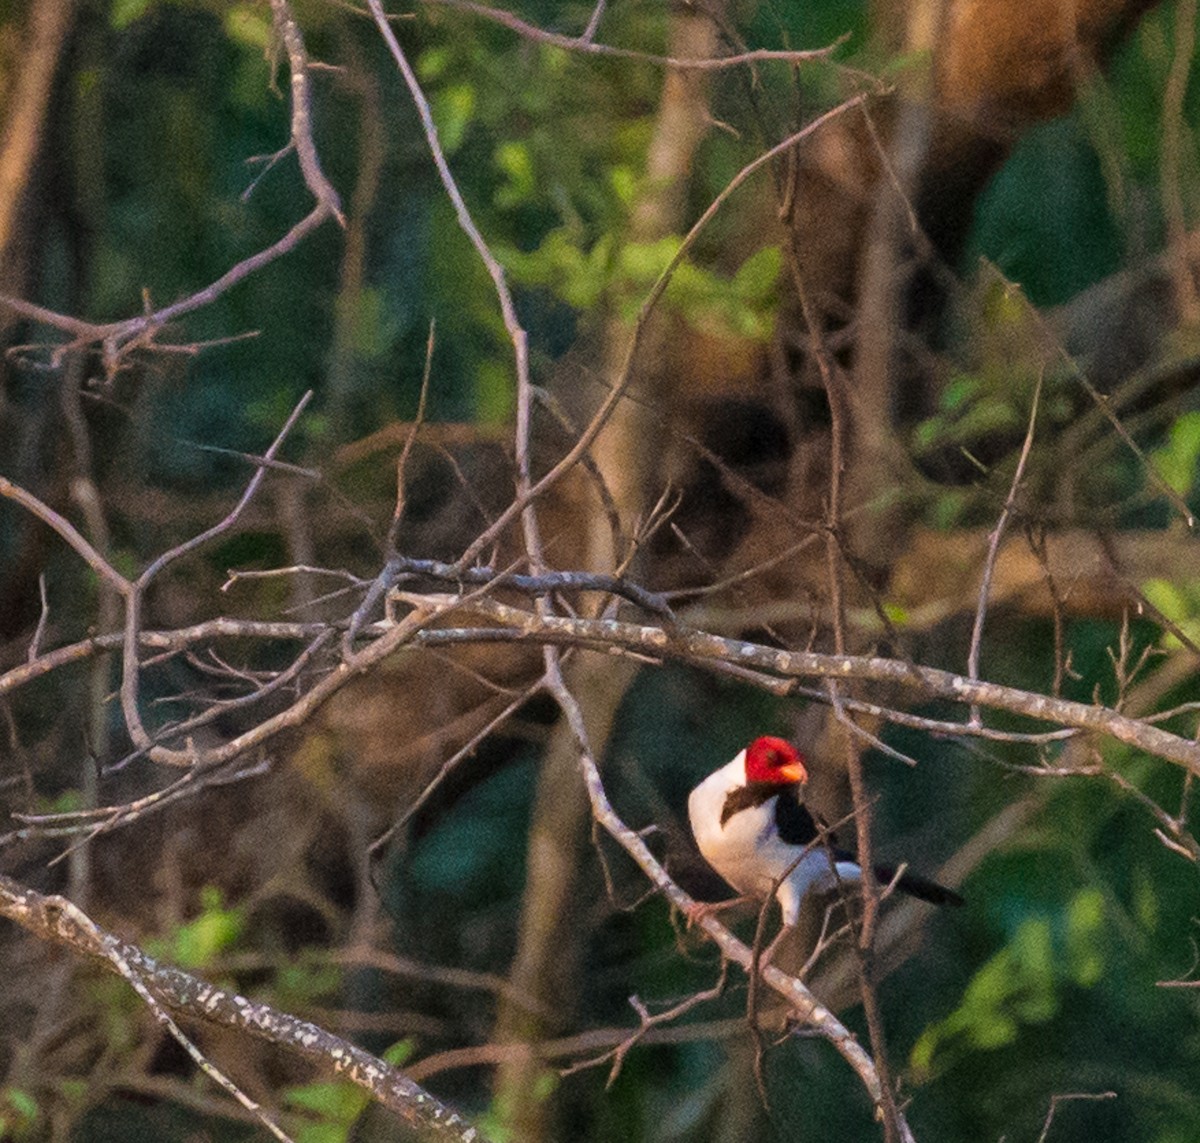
x,y
745,850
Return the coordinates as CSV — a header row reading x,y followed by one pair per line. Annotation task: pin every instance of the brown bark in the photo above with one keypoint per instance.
x,y
28,96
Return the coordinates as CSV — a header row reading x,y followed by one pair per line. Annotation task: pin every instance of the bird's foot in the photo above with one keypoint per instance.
x,y
699,911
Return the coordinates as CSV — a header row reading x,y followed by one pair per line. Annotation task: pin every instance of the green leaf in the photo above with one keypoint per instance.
x,y
363,314
203,939
399,1053
19,1113
1178,602
516,162
453,109
494,393
1176,462
329,1098
1085,937
125,12
245,24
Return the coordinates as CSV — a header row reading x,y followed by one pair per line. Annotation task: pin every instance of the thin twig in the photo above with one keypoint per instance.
x,y
997,534
584,43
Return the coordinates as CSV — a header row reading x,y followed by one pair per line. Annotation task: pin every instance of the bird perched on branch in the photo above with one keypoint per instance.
x,y
752,826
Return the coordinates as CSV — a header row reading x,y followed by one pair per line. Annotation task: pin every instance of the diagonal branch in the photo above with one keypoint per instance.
x,y
58,921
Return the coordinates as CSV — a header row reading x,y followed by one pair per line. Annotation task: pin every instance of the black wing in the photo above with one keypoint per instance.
x,y
797,826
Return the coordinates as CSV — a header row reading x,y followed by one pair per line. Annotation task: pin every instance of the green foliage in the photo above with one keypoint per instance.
x,y
299,984
124,12
331,1109
20,1115
620,276
373,330
197,943
1178,602
1176,461
1020,986
495,1122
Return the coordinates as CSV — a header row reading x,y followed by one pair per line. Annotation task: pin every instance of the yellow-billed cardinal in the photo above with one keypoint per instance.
x,y
753,828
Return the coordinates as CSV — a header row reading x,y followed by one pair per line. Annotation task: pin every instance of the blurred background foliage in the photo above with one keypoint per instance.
x,y
155,176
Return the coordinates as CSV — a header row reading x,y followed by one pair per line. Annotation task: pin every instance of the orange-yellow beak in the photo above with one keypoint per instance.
x,y
794,772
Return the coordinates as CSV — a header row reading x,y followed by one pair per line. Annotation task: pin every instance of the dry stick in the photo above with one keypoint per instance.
x,y
448,766
133,604
1102,403
585,44
512,325
133,636
647,1022
68,532
482,1055
593,23
117,337
58,920
1055,1100
989,564
385,578
166,642
894,1125
409,441
262,689
607,501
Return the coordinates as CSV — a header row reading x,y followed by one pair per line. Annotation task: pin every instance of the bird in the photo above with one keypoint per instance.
x,y
752,826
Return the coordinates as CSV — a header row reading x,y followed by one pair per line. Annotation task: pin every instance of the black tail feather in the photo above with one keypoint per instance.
x,y
917,886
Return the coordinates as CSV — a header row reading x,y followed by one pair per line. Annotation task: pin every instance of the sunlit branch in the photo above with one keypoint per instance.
x,y
700,649
57,920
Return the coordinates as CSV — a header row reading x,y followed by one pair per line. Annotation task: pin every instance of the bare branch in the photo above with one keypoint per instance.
x,y
997,534
585,44
807,1008
118,338
68,532
57,920
703,649
1055,1100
